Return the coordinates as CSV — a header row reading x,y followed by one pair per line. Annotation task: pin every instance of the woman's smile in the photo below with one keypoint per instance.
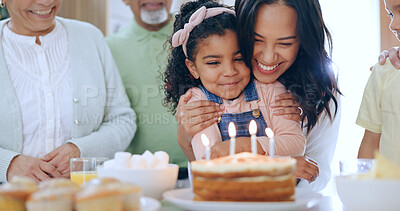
x,y
268,69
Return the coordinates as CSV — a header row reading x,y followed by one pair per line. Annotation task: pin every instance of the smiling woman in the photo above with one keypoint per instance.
x,y
205,61
47,79
31,19
274,50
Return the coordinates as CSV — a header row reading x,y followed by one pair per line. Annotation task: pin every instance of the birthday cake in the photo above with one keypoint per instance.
x,y
244,177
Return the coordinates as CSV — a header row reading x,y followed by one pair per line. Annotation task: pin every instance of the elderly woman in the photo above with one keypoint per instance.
x,y
61,94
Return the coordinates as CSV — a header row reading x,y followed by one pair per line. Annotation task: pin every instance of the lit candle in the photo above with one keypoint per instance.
x,y
270,135
253,131
206,143
232,134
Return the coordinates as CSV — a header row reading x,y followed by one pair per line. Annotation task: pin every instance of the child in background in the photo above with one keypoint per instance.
x,y
205,59
379,110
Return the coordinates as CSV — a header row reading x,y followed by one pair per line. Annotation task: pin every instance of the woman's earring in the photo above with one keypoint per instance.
x,y
2,5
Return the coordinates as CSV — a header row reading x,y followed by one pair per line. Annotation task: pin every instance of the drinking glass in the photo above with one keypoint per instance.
x,y
355,166
85,168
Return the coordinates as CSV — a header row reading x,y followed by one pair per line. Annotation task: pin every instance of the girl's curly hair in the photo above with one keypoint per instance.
x,y
177,78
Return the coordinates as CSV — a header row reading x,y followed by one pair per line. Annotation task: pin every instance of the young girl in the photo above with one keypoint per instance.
x,y
206,60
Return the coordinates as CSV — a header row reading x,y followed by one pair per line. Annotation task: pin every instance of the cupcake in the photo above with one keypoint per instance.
x,y
129,193
58,183
54,194
99,195
60,199
130,196
14,194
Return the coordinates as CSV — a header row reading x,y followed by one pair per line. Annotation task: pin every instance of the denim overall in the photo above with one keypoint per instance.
x,y
241,120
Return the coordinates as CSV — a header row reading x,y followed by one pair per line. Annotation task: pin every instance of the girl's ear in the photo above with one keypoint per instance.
x,y
192,68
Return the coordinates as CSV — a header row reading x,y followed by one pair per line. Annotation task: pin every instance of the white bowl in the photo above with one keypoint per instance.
x,y
368,194
154,182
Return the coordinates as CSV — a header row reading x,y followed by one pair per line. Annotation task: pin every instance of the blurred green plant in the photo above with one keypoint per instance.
x,y
3,13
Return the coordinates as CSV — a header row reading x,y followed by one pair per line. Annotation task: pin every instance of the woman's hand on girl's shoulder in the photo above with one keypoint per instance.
x,y
287,105
198,115
306,168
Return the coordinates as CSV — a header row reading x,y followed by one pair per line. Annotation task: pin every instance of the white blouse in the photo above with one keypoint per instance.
x,y
41,79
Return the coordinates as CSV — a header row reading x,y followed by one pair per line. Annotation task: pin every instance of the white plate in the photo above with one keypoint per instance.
x,y
149,204
184,198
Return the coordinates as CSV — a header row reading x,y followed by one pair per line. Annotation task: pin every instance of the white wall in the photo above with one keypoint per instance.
x,y
120,15
356,43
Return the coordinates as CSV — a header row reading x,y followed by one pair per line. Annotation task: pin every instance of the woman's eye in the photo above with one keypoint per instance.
x,y
257,40
286,44
239,59
212,63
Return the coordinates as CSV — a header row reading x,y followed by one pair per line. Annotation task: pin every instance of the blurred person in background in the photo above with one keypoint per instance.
x,y
378,112
62,95
138,50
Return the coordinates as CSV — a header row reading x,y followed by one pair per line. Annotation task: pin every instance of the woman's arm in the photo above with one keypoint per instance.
x,y
287,106
192,118
289,138
320,147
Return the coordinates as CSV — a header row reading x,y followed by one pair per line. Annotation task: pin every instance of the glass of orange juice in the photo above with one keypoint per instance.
x,y
85,168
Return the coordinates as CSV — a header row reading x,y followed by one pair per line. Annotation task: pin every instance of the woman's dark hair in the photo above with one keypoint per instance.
x,y
177,77
310,77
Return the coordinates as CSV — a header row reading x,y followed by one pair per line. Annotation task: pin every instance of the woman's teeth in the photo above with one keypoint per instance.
x,y
267,68
42,12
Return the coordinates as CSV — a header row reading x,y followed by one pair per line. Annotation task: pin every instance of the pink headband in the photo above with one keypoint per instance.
x,y
182,36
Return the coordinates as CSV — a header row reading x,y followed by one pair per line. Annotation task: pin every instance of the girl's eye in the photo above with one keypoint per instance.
x,y
257,40
212,63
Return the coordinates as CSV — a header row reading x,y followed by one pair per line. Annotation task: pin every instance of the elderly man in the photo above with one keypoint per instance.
x,y
140,56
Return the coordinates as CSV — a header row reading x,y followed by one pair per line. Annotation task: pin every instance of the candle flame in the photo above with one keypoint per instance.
x,y
205,140
269,132
253,127
232,130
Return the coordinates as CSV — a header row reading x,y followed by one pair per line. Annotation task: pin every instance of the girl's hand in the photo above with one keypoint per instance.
x,y
196,116
306,168
287,104
393,55
243,144
220,149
